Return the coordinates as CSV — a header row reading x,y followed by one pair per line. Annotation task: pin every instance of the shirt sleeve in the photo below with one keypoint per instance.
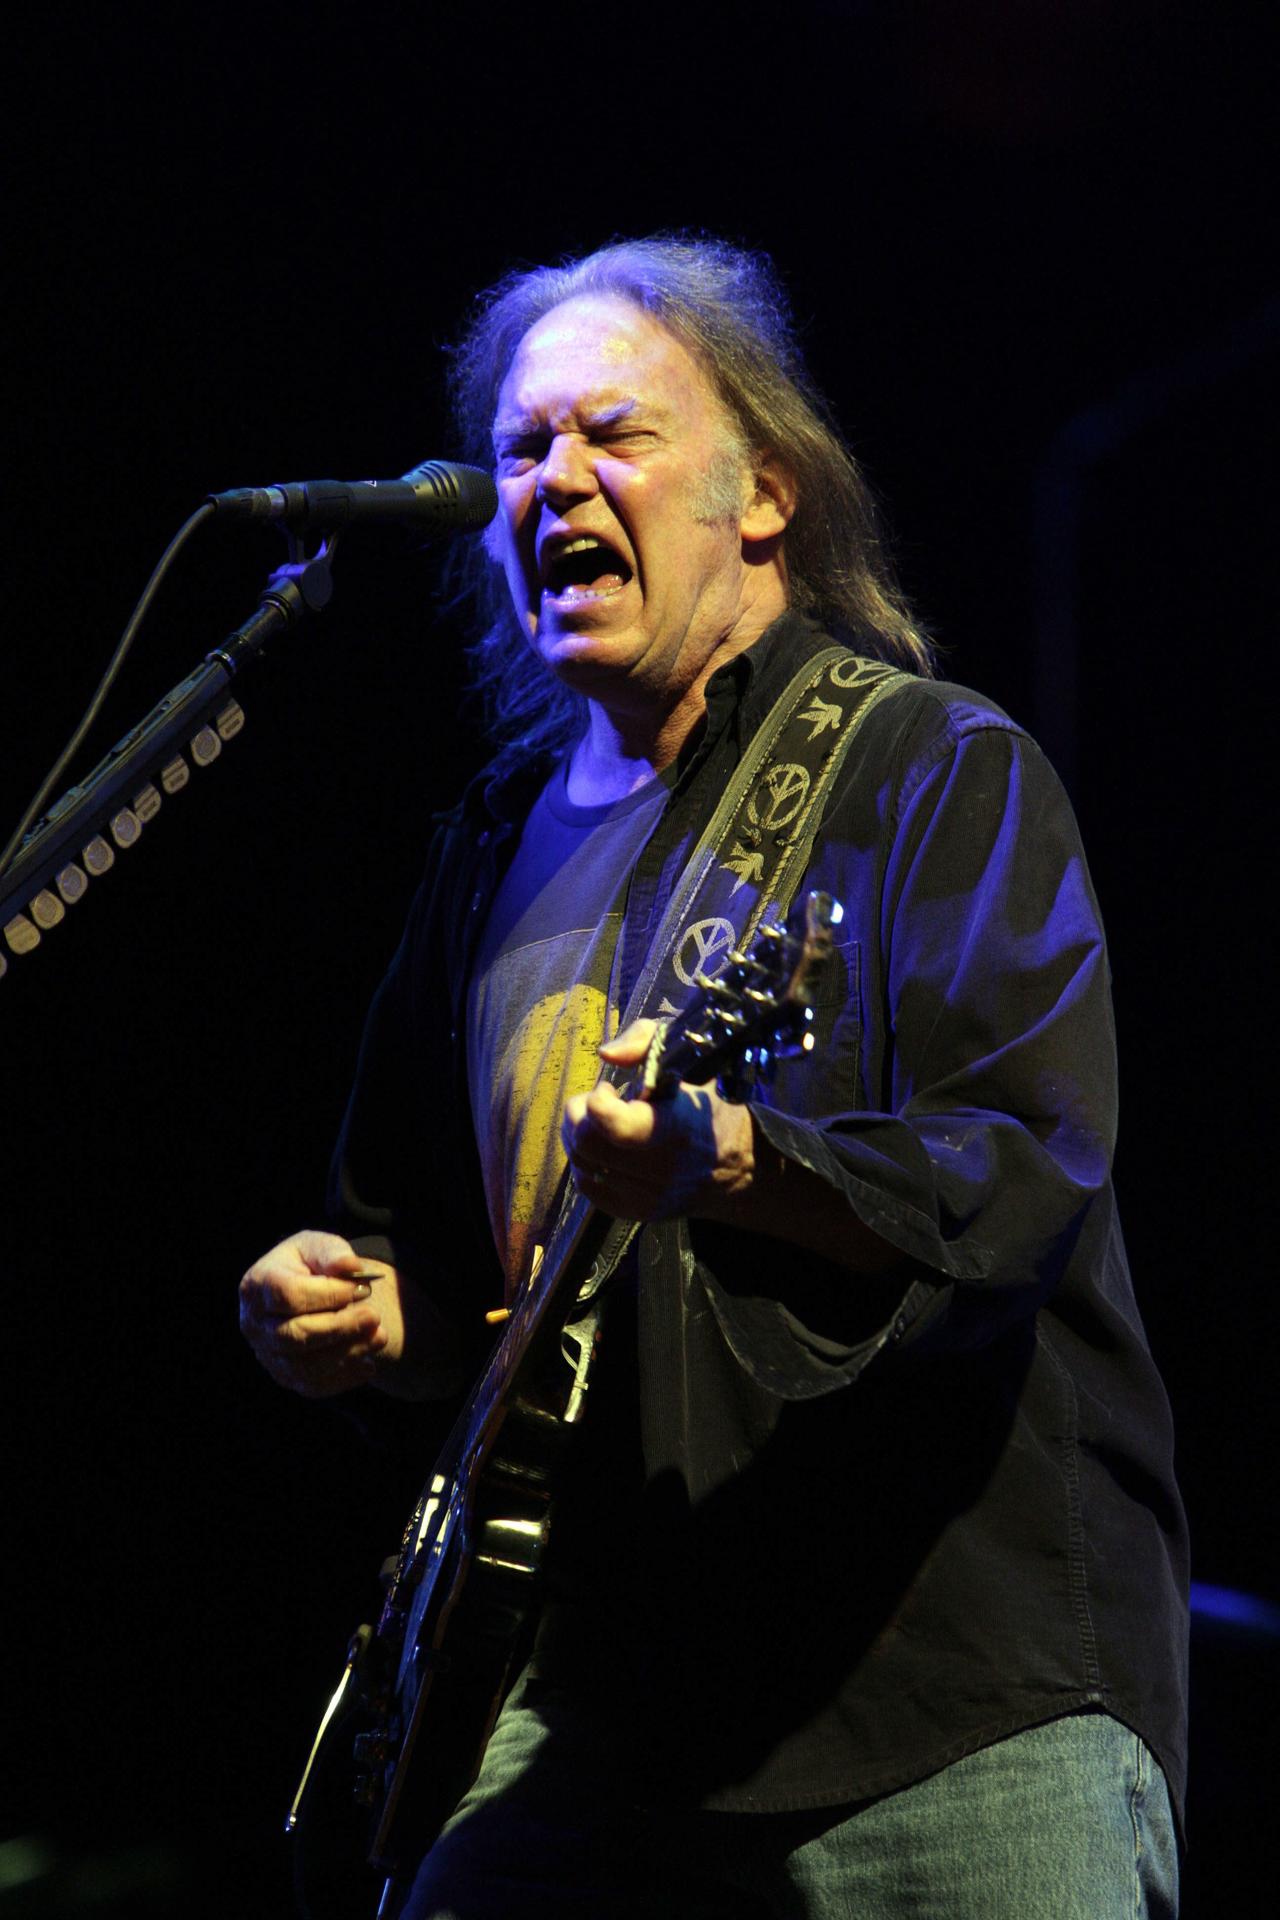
x,y
998,1062
399,1180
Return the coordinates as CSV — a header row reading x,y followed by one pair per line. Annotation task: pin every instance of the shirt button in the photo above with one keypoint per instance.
x,y
475,902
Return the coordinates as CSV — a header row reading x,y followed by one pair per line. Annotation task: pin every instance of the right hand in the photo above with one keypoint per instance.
x,y
313,1328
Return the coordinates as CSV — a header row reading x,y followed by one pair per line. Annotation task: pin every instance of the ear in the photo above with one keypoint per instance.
x,y
771,503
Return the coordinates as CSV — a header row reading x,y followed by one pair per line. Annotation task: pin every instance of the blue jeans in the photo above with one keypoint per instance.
x,y
1068,1821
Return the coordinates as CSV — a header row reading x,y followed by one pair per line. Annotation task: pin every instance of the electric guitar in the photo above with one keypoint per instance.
x,y
404,1733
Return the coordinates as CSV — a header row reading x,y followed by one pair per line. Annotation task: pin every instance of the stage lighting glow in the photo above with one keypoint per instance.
x,y
1240,1609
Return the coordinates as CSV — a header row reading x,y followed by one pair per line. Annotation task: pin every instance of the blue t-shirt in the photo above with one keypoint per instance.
x,y
541,999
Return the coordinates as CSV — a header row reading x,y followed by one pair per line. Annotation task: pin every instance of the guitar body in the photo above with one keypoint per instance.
x,y
470,1567
407,1727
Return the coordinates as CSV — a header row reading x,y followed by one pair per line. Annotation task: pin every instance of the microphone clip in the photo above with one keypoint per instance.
x,y
306,579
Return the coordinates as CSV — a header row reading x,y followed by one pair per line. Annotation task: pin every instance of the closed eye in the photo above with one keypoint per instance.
x,y
629,441
517,456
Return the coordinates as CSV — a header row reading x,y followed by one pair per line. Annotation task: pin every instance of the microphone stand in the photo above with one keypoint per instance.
x,y
77,838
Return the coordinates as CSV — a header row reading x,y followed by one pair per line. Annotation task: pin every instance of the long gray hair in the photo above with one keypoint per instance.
x,y
728,307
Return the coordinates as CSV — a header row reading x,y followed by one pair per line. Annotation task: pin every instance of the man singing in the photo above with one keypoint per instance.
x,y
866,1589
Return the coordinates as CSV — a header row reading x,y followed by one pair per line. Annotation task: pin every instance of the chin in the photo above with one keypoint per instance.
x,y
586,641
586,662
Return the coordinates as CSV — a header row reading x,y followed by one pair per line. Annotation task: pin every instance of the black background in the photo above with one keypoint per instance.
x,y
245,234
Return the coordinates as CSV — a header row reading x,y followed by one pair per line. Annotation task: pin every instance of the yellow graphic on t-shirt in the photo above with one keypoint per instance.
x,y
526,1074
555,1054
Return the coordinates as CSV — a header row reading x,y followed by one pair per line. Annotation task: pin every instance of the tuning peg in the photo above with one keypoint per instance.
x,y
760,997
702,1041
728,1017
796,1037
717,987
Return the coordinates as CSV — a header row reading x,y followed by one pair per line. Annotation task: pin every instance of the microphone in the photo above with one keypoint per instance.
x,y
438,496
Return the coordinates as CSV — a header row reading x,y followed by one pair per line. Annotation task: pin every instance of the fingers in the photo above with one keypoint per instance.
x,y
273,1293
309,1315
598,1123
608,1142
631,1045
322,1354
354,1330
635,1161
600,1131
305,1274
603,1119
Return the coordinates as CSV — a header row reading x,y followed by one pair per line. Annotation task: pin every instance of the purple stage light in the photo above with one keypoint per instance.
x,y
1240,1609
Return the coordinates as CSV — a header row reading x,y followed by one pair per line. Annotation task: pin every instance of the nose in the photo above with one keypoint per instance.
x,y
568,471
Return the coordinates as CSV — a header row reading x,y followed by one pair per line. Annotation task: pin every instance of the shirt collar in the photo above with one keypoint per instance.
x,y
745,687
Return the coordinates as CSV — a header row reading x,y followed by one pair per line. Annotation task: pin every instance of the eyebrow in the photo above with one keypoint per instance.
x,y
610,416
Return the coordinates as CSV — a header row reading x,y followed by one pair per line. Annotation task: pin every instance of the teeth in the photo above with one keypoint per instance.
x,y
558,550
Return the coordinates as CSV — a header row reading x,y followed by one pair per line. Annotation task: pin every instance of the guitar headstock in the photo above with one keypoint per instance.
x,y
756,1010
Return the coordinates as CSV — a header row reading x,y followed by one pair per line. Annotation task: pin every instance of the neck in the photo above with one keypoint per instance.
x,y
624,748
612,761
628,743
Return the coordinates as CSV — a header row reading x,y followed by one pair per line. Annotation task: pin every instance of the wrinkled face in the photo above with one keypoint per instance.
x,y
621,490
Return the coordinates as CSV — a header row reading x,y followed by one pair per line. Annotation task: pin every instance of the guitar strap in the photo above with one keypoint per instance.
x,y
755,848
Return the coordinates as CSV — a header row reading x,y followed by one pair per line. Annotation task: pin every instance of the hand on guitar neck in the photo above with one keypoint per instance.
x,y
700,1155
687,1152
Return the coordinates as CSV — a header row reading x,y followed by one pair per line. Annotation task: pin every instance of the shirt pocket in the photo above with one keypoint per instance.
x,y
828,1079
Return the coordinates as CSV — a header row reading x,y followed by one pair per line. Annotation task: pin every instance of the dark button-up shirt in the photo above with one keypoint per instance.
x,y
864,1527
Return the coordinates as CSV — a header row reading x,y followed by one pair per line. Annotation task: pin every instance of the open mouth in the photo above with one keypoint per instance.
x,y
582,568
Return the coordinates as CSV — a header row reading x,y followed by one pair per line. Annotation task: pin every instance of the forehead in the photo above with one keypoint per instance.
x,y
594,352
